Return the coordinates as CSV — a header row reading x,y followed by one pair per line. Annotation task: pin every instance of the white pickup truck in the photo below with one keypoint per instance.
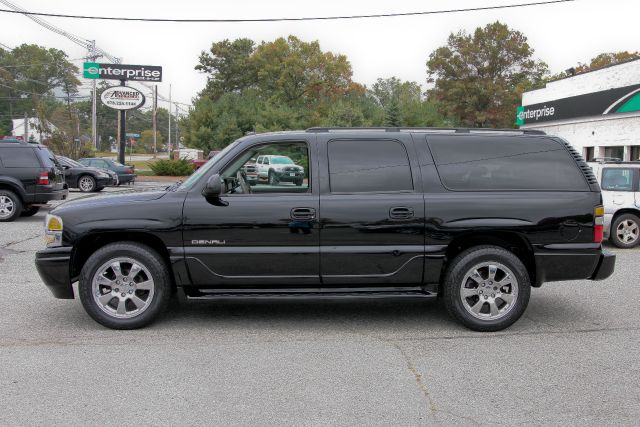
x,y
276,169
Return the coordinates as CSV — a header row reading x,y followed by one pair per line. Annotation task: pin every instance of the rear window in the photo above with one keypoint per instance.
x,y
19,157
496,163
617,179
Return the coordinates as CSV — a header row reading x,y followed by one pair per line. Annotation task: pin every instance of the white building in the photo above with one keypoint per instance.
x,y
598,112
33,128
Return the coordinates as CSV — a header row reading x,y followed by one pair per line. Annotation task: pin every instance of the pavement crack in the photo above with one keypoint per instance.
x,y
16,242
418,377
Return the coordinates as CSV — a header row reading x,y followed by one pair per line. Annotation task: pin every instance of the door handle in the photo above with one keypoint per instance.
x,y
401,212
304,214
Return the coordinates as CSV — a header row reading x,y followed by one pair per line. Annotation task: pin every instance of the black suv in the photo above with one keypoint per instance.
x,y
29,177
477,217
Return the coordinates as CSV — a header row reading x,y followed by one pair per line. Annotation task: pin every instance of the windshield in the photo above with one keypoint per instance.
x,y
281,161
206,167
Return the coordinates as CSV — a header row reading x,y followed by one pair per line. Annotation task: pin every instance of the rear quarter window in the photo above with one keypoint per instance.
x,y
19,157
47,157
503,163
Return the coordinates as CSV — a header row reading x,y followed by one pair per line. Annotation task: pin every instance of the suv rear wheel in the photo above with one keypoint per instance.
x,y
625,231
486,288
124,285
10,206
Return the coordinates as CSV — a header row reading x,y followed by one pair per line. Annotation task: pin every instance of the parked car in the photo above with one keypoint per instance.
x,y
86,178
126,173
29,178
621,196
478,217
276,169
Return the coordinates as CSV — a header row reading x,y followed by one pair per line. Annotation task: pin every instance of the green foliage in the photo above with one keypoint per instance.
x,y
146,140
392,114
599,61
180,167
479,78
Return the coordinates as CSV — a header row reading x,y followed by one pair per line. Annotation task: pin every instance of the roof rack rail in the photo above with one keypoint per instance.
x,y
424,129
603,160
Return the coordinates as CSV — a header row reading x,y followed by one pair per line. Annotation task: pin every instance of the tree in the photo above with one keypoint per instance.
x,y
479,79
31,80
229,66
392,116
597,62
146,140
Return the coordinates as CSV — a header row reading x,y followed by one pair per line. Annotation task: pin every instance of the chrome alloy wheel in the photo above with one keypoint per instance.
x,y
123,288
6,207
628,231
86,183
489,290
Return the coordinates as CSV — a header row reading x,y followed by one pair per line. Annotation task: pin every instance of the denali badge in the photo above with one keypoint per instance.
x,y
208,242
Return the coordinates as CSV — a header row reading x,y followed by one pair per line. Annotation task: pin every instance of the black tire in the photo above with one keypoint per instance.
x,y
153,264
86,184
273,179
299,182
462,265
12,206
30,210
625,220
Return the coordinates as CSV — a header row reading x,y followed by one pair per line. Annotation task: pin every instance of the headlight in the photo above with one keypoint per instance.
x,y
53,230
103,175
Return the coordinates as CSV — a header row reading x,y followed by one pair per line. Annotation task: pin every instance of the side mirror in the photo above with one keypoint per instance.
x,y
213,189
65,167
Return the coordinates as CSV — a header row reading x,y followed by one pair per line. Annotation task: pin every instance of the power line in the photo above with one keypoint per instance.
x,y
314,18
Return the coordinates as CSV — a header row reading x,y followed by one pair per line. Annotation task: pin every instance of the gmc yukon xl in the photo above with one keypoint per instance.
x,y
476,217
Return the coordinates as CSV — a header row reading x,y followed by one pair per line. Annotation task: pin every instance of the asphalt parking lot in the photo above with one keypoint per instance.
x,y
573,359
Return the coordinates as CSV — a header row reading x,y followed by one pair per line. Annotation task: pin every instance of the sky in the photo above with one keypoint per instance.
x,y
561,34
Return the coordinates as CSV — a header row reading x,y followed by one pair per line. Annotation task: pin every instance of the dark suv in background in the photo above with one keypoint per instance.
x,y
478,217
29,178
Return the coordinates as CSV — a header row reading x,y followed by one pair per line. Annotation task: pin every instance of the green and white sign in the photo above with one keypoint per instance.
x,y
149,73
612,101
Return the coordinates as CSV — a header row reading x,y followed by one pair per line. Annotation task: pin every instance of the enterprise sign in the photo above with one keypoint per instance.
x,y
149,73
618,100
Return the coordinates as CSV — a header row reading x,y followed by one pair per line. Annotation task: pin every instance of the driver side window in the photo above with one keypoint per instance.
x,y
269,168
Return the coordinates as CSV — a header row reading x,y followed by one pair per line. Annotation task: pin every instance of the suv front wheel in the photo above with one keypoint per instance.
x,y
486,288
124,285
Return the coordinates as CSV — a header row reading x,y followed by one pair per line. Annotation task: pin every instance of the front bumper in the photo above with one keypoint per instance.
x,y
53,265
605,266
289,176
105,181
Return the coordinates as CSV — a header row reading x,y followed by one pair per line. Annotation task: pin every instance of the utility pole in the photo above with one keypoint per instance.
x,y
155,119
94,107
26,127
123,132
177,140
169,133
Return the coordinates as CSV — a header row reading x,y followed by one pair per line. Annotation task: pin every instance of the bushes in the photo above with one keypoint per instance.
x,y
172,167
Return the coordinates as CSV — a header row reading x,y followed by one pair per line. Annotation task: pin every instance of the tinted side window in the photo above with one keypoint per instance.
x,y
617,179
505,163
368,166
22,157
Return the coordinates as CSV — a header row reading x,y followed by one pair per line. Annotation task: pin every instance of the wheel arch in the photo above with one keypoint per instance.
x,y
90,243
14,187
511,241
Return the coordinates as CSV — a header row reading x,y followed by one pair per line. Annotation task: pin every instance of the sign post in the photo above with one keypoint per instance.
x,y
122,97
